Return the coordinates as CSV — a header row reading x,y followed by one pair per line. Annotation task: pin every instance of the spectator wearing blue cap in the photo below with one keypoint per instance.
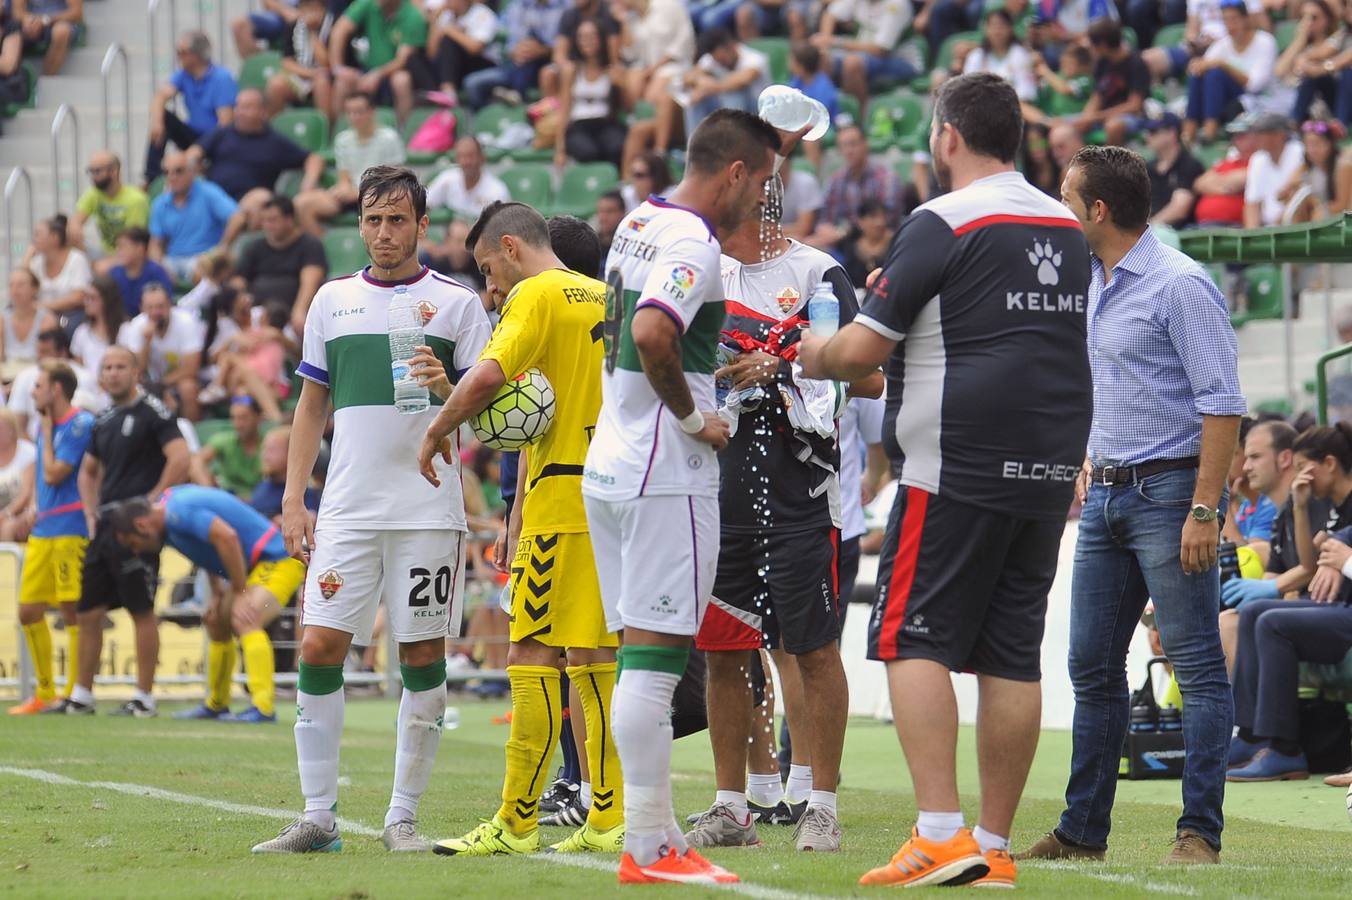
x,y
1172,173
1240,63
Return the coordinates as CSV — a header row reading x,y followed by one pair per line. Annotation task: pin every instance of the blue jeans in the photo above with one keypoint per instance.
x,y
950,17
1146,17
1214,95
1336,92
1128,551
478,87
718,14
745,100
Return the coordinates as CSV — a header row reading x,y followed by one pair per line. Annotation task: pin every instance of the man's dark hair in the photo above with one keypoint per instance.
x,y
613,196
1118,177
1324,441
807,56
136,234
58,338
1106,33
361,95
508,217
714,39
122,516
727,136
576,244
282,204
391,183
61,375
1282,434
153,287
983,108
1080,53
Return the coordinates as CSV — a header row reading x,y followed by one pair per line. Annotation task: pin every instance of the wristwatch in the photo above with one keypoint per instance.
x,y
1203,513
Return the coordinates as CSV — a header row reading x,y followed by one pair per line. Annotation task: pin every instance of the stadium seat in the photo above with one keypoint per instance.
x,y
1285,33
345,249
490,122
892,118
944,58
580,187
307,127
30,75
257,69
209,428
777,49
1265,294
529,183
288,183
1171,35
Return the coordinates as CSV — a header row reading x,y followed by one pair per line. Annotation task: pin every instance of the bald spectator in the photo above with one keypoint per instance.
x,y
860,179
112,205
246,157
208,92
396,66
465,189
364,143
191,217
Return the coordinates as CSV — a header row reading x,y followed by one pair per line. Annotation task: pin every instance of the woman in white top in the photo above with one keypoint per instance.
x,y
1001,54
1238,64
104,317
657,41
589,103
16,480
63,271
22,321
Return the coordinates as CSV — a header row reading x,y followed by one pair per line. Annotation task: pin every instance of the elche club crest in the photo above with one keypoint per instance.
x,y
329,583
787,299
428,309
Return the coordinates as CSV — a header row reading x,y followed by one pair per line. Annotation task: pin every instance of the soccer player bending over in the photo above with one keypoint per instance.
x,y
381,528
224,535
551,320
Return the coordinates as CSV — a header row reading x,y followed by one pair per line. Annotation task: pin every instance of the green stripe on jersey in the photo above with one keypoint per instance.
x,y
699,344
359,368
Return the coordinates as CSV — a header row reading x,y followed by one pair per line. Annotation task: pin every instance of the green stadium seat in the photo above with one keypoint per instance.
x,y
581,185
490,122
1171,35
30,74
944,58
345,250
1285,33
209,428
288,183
307,127
1210,154
893,117
257,69
777,49
529,183
1265,294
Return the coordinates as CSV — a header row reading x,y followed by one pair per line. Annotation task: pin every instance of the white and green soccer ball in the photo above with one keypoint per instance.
x,y
519,415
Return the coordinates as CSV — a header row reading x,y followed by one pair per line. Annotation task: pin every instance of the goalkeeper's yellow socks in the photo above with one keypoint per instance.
x,y
73,657
259,667
39,639
536,720
595,685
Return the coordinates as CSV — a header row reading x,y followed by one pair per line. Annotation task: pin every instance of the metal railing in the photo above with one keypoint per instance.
x,y
152,12
117,52
11,185
65,113
1321,381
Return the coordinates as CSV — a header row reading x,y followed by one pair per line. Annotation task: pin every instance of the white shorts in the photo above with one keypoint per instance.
x,y
419,574
655,559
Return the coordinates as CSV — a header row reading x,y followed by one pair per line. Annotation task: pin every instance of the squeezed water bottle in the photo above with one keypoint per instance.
x,y
823,310
406,335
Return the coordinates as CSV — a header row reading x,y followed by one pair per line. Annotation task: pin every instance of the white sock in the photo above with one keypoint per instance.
x,y
799,785
938,826
823,798
735,799
764,790
319,726
676,836
82,694
640,719
584,794
145,698
420,717
988,841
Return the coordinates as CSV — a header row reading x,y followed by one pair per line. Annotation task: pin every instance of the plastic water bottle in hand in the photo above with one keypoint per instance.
x,y
406,335
823,310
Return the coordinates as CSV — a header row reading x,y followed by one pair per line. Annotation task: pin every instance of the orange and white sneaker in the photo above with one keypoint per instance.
x,y
955,861
672,867
1002,871
30,707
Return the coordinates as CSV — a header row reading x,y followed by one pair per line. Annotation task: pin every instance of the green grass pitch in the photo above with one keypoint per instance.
x,y
222,787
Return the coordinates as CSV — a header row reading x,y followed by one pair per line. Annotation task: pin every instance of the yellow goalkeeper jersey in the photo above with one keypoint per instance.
x,y
553,322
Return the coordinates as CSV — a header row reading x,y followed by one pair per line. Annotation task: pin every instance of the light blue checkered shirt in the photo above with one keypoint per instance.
x,y
1163,355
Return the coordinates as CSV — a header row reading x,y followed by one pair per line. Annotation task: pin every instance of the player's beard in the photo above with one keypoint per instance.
x,y
943,173
401,253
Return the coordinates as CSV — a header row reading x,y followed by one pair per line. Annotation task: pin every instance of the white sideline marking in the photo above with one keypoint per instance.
x,y
142,790
1154,887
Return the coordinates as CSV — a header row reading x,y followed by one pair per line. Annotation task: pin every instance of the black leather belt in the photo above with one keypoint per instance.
x,y
1117,476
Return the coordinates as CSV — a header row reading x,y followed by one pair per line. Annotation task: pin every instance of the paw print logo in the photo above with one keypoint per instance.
x,y
1046,261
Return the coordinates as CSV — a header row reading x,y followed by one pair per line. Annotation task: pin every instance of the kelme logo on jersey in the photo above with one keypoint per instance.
x,y
427,309
1047,261
787,299
329,583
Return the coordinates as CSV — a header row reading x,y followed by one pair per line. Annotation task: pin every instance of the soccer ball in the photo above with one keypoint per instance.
x,y
519,415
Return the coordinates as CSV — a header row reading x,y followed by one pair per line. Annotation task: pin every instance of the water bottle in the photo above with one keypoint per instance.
x,y
406,334
823,310
789,109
